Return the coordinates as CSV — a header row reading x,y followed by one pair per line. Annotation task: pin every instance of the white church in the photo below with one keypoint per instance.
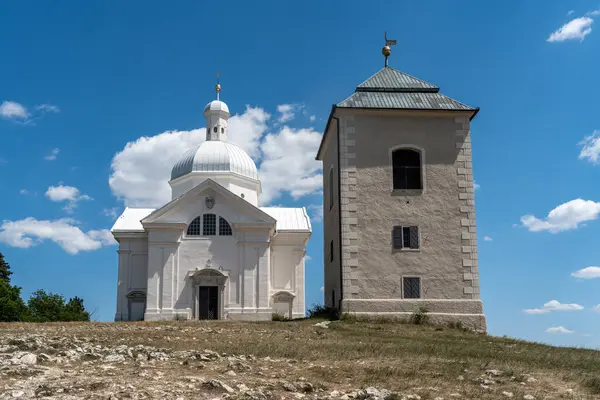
x,y
212,252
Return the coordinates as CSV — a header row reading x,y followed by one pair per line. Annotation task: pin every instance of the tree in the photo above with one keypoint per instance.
x,y
75,311
12,306
51,307
5,271
46,307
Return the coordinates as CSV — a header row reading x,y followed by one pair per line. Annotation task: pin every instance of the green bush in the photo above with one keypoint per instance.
x,y
321,311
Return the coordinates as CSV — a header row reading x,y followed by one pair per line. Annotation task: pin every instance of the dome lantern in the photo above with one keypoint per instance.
x,y
217,115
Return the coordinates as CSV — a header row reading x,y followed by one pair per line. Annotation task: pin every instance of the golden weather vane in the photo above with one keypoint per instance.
x,y
386,51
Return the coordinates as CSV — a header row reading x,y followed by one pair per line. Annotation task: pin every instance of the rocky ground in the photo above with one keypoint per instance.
x,y
282,360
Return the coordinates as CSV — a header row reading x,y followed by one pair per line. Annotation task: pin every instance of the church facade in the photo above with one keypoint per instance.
x,y
212,252
399,206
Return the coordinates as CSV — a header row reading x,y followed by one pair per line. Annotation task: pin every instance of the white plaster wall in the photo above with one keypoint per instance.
x,y
138,276
132,272
234,183
287,270
248,190
283,277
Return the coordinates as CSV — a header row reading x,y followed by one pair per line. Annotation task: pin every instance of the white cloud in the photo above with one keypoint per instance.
x,y
475,185
315,212
104,236
597,308
591,148
287,112
322,289
13,110
554,305
312,118
570,12
70,194
564,217
246,130
587,273
307,258
594,13
24,191
111,212
64,232
294,148
19,113
559,329
141,170
62,193
536,311
52,155
577,28
487,238
44,108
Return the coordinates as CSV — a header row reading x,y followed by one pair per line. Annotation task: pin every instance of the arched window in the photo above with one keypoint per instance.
x,y
330,188
406,169
209,225
194,227
224,227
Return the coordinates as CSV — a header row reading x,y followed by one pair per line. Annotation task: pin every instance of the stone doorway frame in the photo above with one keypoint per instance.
x,y
283,296
209,277
135,296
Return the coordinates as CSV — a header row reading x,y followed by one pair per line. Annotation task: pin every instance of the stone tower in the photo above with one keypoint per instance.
x,y
399,208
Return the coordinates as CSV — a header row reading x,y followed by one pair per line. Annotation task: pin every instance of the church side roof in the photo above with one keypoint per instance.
x,y
130,220
290,219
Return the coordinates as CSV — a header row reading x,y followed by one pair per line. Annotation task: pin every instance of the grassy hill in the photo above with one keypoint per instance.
x,y
293,360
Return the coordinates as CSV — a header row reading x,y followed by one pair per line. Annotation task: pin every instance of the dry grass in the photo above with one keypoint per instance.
x,y
349,355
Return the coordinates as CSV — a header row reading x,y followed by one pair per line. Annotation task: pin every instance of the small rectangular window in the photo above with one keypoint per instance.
x,y
405,237
411,288
331,251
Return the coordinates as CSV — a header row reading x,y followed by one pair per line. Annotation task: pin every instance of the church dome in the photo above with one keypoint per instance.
x,y
215,156
216,105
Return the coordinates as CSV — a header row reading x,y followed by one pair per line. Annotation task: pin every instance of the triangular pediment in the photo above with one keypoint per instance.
x,y
182,208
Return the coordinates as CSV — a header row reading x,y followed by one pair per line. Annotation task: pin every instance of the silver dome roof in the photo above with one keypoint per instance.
x,y
215,156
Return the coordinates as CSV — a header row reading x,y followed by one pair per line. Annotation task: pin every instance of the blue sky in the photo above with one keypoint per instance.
x,y
92,90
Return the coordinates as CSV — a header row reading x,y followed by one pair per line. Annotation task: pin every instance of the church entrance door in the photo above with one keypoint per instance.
x,y
208,302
